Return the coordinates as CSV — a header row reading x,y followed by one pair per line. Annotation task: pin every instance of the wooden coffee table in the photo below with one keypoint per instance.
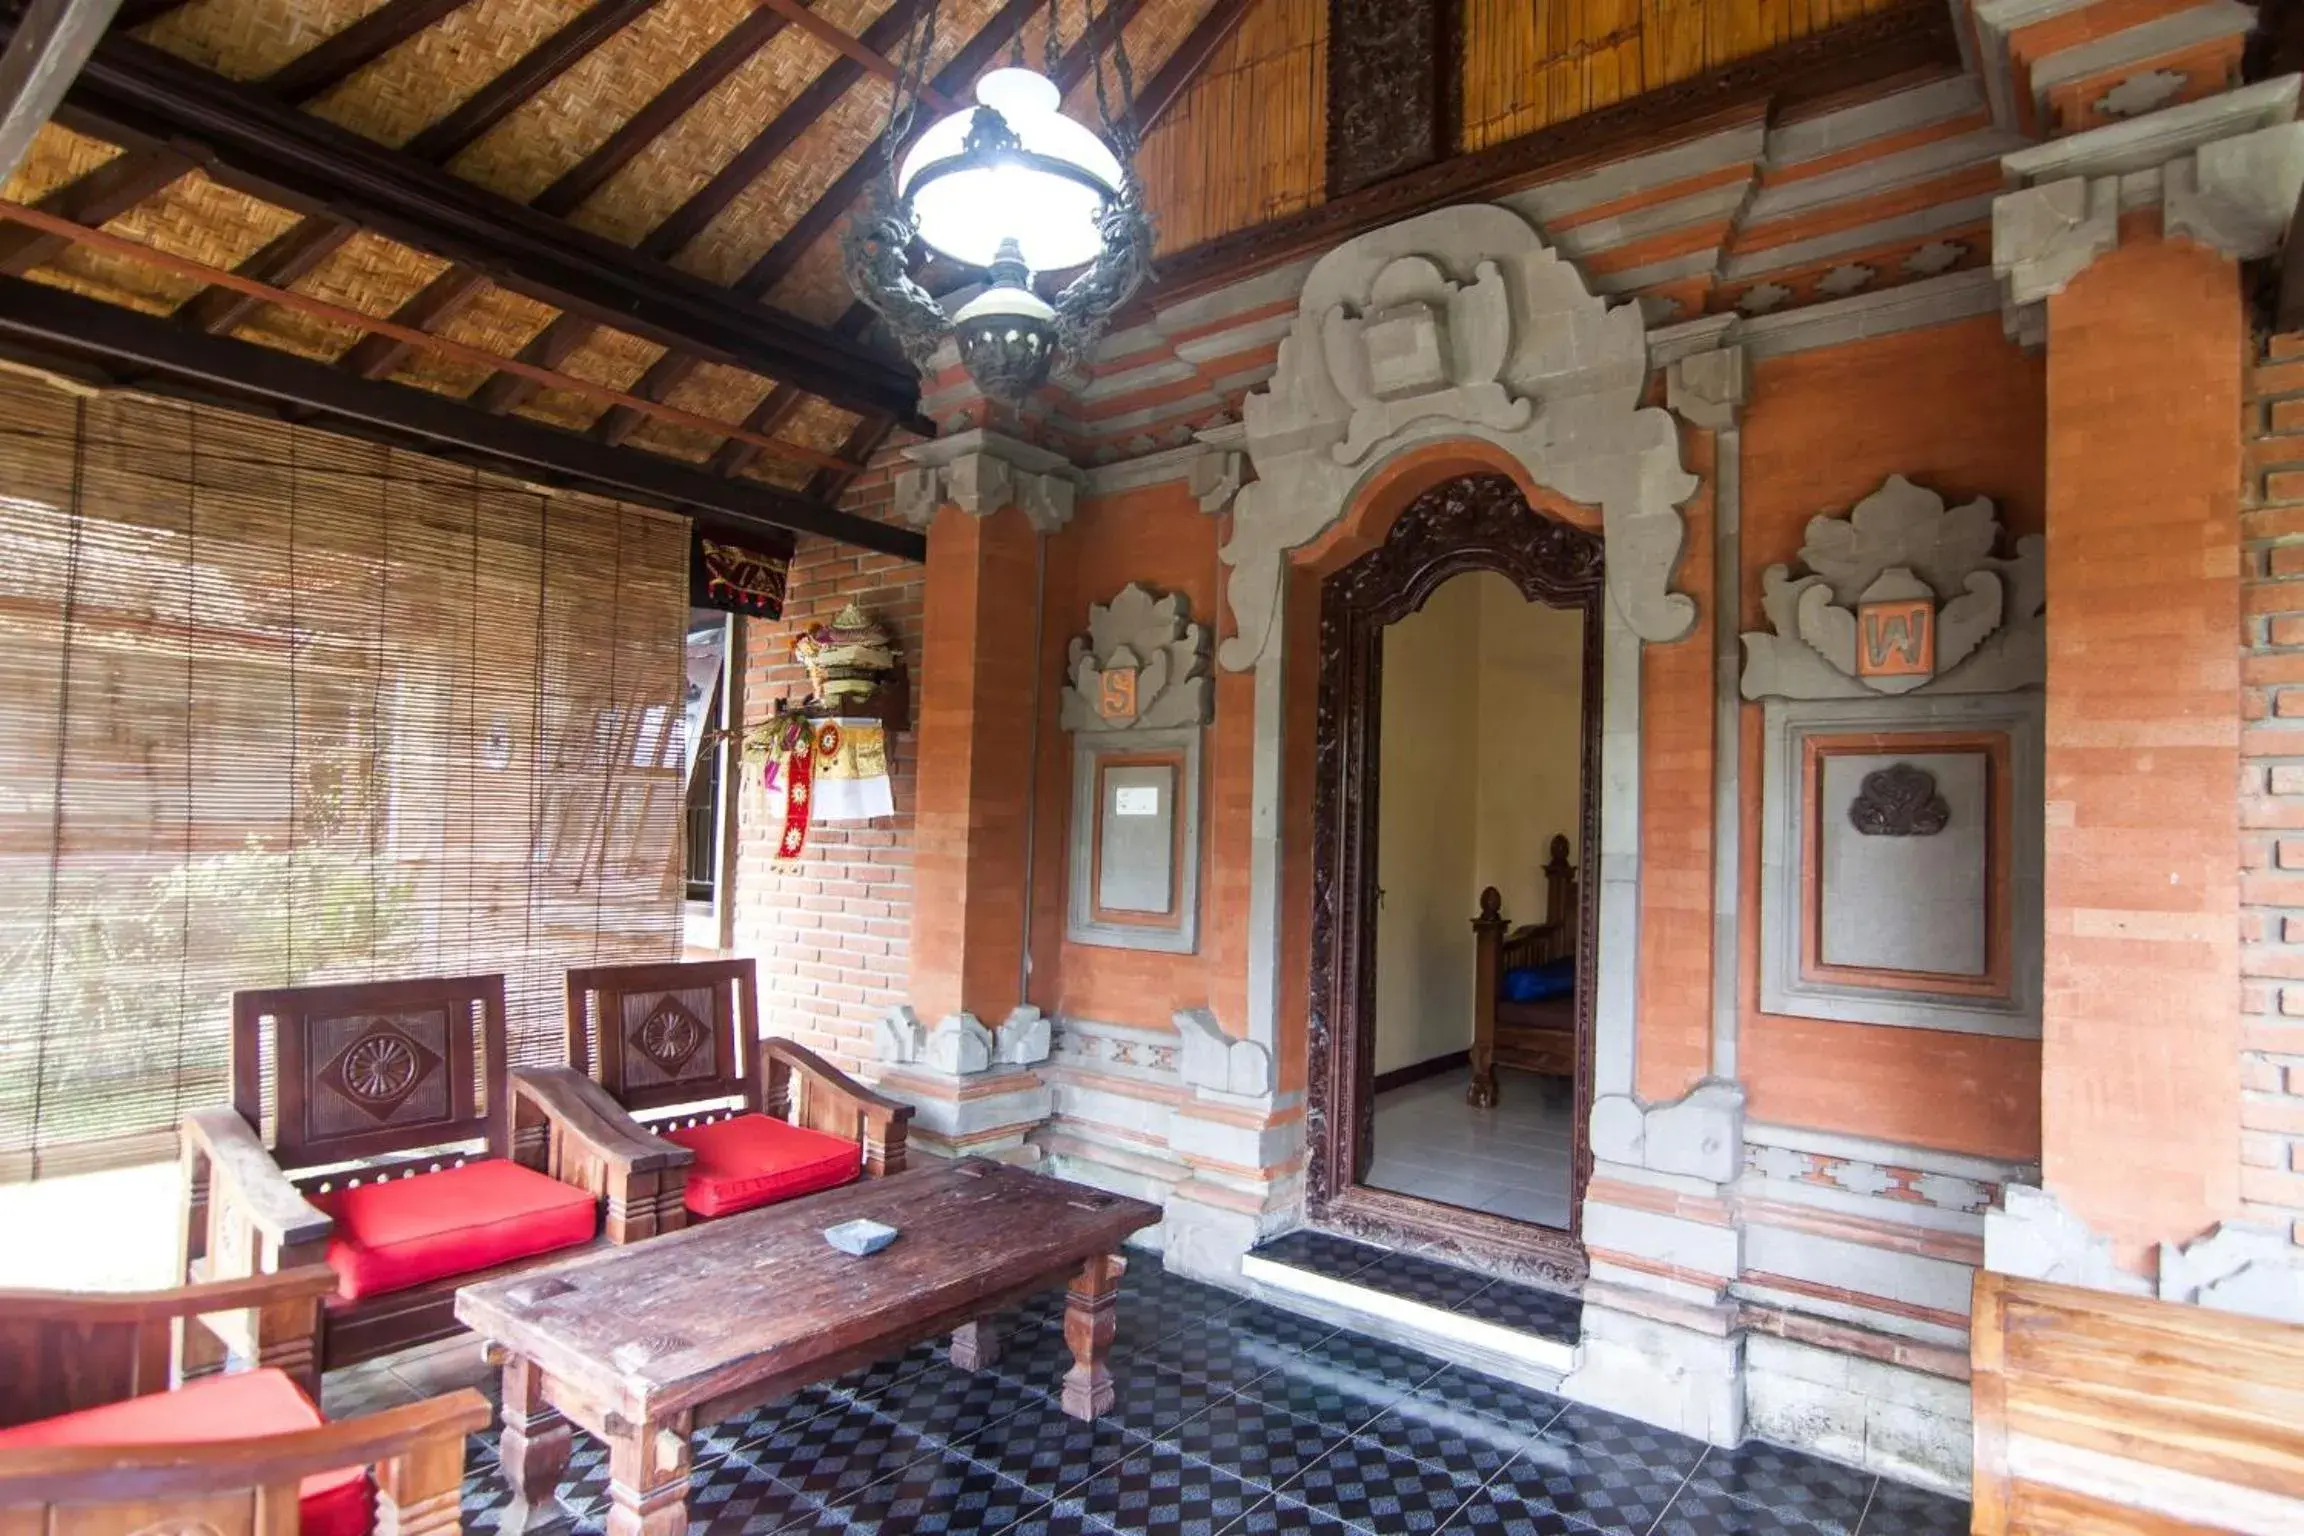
x,y
644,1345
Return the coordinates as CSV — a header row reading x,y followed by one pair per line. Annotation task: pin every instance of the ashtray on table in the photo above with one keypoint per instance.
x,y
860,1237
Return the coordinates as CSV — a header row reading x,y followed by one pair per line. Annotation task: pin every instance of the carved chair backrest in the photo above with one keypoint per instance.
x,y
1555,937
54,1362
656,1036
354,1073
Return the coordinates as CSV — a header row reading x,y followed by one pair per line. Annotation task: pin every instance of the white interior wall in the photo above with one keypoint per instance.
x,y
1478,770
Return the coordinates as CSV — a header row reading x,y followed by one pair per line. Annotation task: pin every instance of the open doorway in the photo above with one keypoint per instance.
x,y
1452,931
1480,795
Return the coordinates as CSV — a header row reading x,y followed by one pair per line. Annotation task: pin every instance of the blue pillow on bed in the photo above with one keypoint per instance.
x,y
1540,983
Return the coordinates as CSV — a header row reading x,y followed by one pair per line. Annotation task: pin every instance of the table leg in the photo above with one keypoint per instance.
x,y
975,1345
533,1453
1089,1321
648,1478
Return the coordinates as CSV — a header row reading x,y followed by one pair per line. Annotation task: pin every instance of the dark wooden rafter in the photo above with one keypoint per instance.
x,y
51,41
138,13
281,260
343,53
857,50
780,404
436,303
312,239
826,484
337,314
707,203
53,328
137,93
98,197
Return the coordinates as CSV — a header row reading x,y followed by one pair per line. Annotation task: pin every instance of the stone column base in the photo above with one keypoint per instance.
x,y
1663,1372
985,1114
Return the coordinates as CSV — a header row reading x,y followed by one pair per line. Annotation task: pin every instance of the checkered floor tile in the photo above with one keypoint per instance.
x,y
1233,1419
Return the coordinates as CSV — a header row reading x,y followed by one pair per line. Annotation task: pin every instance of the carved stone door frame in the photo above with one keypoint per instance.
x,y
1472,523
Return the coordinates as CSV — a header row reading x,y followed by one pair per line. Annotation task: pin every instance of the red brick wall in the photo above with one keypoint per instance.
x,y
832,930
2272,792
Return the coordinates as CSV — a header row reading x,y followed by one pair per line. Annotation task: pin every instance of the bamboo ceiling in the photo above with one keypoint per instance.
x,y
723,137
726,139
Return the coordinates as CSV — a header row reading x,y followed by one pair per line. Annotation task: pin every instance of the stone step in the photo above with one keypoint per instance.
x,y
1501,1327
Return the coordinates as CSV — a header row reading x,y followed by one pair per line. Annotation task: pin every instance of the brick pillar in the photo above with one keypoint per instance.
x,y
962,1048
976,732
2140,1060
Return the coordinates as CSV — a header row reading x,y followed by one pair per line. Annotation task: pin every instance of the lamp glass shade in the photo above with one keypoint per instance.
x,y
967,211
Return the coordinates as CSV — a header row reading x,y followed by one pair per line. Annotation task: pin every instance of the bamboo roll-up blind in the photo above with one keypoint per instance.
x,y
280,708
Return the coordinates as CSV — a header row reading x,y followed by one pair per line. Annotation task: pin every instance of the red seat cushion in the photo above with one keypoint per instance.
x,y
753,1160
396,1233
238,1407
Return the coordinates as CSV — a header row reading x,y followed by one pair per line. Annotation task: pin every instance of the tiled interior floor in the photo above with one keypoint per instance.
x,y
1512,1159
1233,1419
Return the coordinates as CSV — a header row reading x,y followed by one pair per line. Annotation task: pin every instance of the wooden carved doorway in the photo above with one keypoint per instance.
x,y
1473,523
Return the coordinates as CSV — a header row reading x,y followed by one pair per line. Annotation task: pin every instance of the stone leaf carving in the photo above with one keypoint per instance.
x,y
959,1044
1155,640
1898,543
898,1036
1899,801
1458,325
980,472
1215,1061
1024,1037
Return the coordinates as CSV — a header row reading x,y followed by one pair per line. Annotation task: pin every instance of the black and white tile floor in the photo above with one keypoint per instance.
x,y
1233,1418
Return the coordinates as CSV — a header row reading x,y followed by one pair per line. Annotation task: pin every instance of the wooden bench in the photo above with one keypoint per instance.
x,y
94,1441
2104,1414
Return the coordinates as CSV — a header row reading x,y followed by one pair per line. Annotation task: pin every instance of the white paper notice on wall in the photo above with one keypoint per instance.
x,y
1136,800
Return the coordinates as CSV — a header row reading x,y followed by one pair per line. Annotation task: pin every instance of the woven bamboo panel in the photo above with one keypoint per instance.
x,y
1526,67
778,472
613,358
1248,142
569,118
367,272
818,424
562,408
816,289
58,156
777,199
498,320
248,39
674,441
426,77
720,392
680,161
203,219
116,280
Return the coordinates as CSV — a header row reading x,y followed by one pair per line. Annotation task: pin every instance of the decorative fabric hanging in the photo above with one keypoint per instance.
x,y
824,771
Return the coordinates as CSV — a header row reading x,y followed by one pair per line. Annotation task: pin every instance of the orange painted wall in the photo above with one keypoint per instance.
x,y
2142,1024
1158,537
1676,728
1960,410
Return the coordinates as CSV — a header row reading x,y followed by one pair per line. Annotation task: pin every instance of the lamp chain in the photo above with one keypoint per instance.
x,y
904,104
1051,46
1121,132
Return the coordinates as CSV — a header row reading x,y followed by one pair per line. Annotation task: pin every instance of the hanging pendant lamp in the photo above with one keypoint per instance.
x,y
1014,187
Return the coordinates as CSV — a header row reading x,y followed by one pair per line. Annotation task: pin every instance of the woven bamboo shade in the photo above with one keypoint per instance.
x,y
1527,66
278,707
1248,142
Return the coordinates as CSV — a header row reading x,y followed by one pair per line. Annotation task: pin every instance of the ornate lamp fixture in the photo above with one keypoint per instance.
x,y
1013,186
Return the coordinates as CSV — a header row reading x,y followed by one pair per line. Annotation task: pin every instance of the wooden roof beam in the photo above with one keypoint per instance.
x,y
313,239
343,53
53,328
707,203
875,60
304,162
1175,77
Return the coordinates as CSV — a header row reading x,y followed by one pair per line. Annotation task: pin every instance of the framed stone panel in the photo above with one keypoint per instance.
x,y
1134,860
1900,878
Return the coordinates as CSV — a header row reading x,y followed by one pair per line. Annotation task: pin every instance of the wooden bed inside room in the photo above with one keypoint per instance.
x,y
1524,985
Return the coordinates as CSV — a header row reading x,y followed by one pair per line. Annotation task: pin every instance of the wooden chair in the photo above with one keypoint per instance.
x,y
765,1120
1537,1036
371,1129
94,1442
